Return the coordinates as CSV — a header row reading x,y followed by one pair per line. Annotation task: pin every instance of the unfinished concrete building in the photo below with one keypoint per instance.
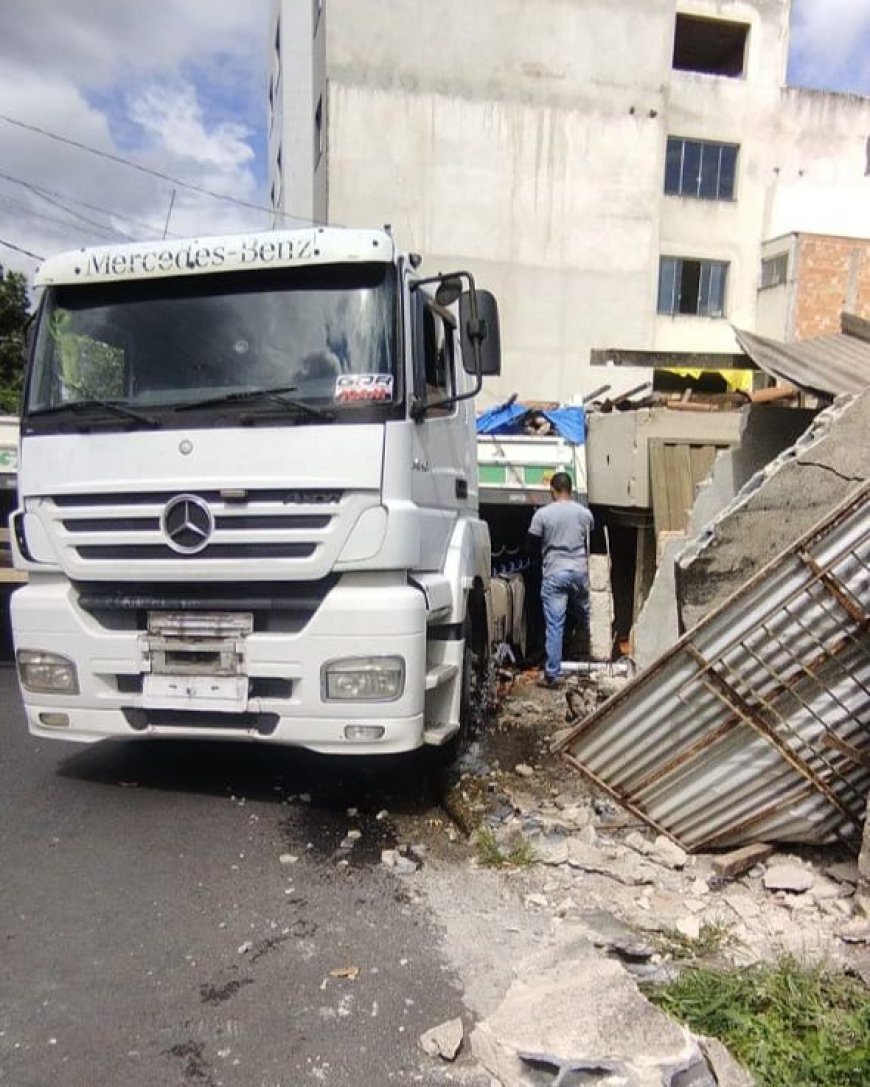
x,y
615,173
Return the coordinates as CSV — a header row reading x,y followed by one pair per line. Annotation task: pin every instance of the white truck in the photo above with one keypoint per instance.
x,y
247,494
8,483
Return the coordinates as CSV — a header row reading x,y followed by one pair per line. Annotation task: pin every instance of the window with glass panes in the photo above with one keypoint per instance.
x,y
700,168
692,286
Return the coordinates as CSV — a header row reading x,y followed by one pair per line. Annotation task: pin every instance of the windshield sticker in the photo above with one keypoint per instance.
x,y
352,388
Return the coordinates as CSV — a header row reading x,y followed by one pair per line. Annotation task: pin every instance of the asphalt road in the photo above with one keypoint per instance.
x,y
152,936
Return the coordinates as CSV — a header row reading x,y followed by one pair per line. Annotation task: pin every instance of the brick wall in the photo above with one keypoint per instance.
x,y
833,274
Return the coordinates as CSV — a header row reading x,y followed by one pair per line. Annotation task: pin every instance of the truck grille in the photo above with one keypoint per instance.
x,y
267,524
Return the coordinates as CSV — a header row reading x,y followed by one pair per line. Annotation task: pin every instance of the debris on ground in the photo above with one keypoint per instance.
x,y
444,1040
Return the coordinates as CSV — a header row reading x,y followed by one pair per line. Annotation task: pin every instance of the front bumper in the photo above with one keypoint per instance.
x,y
356,618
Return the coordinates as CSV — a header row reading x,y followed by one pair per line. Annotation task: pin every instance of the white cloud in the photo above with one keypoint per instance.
x,y
830,44
173,116
94,71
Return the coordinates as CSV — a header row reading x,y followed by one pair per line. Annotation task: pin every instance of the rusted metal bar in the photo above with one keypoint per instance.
x,y
623,801
839,591
660,772
737,703
852,753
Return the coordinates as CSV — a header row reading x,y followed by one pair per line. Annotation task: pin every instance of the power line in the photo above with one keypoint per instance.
x,y
20,208
18,249
147,170
41,190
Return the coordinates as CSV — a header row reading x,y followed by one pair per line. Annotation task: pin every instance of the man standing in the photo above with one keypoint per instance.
x,y
562,531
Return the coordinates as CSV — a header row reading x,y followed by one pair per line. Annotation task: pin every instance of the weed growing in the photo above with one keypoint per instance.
x,y
788,1023
714,937
490,854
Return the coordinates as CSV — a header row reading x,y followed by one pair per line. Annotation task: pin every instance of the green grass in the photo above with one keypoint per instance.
x,y
490,854
791,1025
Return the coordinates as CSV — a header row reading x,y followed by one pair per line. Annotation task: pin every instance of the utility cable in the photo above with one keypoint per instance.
x,y
18,249
22,209
148,170
41,190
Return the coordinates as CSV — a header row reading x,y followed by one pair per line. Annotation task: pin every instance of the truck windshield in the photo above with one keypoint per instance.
x,y
206,344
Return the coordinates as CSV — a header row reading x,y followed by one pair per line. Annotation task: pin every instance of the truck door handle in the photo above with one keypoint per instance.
x,y
461,487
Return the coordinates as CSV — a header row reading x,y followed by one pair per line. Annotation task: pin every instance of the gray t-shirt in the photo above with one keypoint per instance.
x,y
563,528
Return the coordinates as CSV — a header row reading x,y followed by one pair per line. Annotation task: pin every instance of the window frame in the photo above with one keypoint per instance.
x,y
438,398
716,273
693,191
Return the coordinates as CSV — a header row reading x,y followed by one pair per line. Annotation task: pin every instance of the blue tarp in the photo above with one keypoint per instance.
x,y
569,423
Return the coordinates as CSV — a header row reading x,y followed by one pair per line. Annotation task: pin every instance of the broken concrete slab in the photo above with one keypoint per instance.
x,y
570,1012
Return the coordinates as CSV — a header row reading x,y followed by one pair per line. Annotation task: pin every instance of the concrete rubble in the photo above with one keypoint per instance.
x,y
609,906
537,1037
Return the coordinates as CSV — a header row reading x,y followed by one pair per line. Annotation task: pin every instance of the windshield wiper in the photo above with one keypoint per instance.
x,y
275,395
93,402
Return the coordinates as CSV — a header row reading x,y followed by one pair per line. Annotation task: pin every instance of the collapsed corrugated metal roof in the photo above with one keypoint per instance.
x,y
830,365
755,726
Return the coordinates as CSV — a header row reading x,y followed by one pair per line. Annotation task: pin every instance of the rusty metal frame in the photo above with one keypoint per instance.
x,y
787,661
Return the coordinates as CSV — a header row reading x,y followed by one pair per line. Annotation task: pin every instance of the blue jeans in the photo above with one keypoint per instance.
x,y
559,591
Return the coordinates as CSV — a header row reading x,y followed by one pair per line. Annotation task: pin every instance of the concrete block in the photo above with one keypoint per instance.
x,y
733,864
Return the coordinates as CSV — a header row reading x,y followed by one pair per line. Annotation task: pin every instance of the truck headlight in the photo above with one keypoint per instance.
x,y
47,673
363,679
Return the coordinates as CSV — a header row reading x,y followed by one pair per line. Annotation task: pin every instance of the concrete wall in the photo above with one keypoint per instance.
x,y
618,473
527,142
766,430
775,507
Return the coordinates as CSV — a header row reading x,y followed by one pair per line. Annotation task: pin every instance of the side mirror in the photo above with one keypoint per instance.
x,y
484,328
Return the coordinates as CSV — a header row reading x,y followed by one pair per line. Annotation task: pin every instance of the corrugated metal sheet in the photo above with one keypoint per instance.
x,y
828,364
756,725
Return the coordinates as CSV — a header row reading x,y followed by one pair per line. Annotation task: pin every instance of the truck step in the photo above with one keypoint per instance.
x,y
438,735
438,674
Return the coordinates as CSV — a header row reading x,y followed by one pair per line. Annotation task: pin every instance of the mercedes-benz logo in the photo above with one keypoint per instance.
x,y
187,523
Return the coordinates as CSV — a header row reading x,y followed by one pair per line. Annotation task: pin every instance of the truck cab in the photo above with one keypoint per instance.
x,y
247,496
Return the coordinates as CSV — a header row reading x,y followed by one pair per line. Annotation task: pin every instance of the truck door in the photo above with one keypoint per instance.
x,y
443,452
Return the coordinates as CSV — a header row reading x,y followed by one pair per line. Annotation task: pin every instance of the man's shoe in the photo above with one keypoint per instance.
x,y
550,682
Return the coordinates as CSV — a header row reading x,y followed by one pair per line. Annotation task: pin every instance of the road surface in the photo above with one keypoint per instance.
x,y
177,914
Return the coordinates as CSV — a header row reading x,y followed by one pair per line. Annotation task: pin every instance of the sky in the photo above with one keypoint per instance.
x,y
179,87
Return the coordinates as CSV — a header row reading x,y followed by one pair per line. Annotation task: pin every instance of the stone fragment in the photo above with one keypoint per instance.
x,y
635,840
726,1071
733,864
668,853
551,851
788,877
523,770
856,932
536,900
288,858
743,905
444,1040
609,933
690,927
826,889
843,871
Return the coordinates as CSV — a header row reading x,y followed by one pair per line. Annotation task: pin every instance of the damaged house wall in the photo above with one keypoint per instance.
x,y
775,508
766,431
